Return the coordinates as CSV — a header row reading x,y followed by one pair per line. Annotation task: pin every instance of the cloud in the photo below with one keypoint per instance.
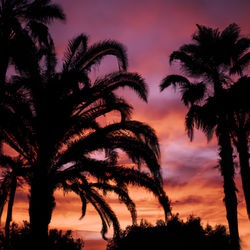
x,y
190,200
21,196
174,182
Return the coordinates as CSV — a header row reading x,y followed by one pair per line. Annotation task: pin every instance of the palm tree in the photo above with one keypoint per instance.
x,y
60,130
239,110
12,168
211,58
23,23
9,184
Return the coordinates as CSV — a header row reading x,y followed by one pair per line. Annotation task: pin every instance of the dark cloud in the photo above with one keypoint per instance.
x,y
21,196
174,182
190,200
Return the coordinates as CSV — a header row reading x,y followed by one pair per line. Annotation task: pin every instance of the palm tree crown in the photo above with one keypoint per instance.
x,y
22,25
60,130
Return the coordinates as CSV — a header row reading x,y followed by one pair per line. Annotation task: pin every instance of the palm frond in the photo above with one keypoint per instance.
x,y
189,48
44,12
50,58
192,67
230,33
193,93
134,148
190,122
116,80
241,47
23,47
121,175
173,80
241,64
96,52
39,32
102,207
205,35
137,178
123,196
102,109
142,131
75,49
202,117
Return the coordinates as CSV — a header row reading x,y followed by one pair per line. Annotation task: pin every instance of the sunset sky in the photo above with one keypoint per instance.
x,y
150,30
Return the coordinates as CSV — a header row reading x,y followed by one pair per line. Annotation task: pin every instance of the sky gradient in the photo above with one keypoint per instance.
x,y
151,30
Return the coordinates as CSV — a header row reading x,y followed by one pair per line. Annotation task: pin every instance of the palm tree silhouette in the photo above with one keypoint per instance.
x,y
211,58
12,106
239,110
13,171
59,130
23,23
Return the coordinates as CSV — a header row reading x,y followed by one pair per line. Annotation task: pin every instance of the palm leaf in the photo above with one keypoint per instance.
x,y
121,79
44,12
96,52
123,196
193,93
174,80
75,49
241,64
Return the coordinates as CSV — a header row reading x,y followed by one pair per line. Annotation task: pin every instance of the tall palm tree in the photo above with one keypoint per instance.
x,y
23,23
60,130
239,110
211,58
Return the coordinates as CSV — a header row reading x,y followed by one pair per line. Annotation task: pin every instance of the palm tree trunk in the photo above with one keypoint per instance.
x,y
242,148
38,211
3,198
10,208
227,170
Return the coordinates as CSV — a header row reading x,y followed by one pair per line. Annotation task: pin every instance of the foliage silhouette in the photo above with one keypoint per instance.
x,y
58,130
23,24
175,234
240,113
211,59
23,27
9,183
20,239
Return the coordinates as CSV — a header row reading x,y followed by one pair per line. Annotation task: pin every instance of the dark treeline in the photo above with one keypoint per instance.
x,y
175,234
20,239
50,120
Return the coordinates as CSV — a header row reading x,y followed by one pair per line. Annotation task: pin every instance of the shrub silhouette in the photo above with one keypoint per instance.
x,y
20,238
175,234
